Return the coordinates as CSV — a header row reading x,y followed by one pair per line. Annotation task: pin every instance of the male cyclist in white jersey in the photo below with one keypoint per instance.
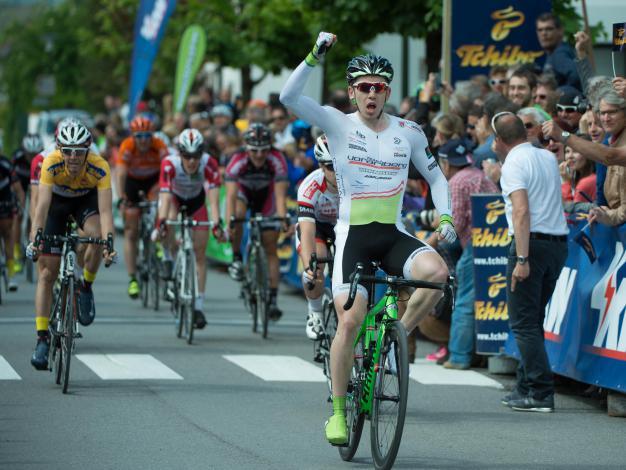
x,y
318,205
371,152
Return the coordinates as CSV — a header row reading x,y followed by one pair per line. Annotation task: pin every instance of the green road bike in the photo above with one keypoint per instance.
x,y
378,387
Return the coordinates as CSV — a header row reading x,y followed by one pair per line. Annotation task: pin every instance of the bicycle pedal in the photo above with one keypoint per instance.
x,y
78,335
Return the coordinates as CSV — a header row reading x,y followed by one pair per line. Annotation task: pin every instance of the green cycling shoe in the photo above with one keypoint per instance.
x,y
337,430
133,289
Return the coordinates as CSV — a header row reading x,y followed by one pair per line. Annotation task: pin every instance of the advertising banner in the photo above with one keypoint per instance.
x,y
490,243
152,18
585,323
619,39
190,57
494,32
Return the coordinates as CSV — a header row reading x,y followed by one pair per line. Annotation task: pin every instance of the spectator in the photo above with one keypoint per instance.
x,y
579,177
534,212
498,80
339,99
522,87
464,180
546,95
494,103
473,116
532,119
559,56
570,108
447,126
281,127
222,117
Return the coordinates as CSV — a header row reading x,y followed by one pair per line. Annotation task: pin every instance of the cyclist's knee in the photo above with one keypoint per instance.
x,y
47,274
429,267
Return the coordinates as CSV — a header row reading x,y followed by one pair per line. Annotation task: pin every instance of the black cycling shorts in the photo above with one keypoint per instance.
x,y
373,242
324,232
64,210
134,186
8,203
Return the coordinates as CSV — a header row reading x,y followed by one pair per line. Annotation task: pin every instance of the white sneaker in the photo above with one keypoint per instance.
x,y
235,271
12,285
313,325
391,365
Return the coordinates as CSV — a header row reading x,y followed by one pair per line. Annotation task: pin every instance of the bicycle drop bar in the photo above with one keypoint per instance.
x,y
258,219
396,281
313,263
75,239
188,223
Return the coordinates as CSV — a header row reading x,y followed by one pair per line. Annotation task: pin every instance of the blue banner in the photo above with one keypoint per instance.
x,y
585,323
150,26
490,243
494,32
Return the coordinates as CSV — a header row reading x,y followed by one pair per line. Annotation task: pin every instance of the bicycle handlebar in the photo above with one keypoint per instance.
x,y
313,263
187,222
40,237
395,281
258,218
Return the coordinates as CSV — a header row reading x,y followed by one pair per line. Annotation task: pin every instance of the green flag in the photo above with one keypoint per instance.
x,y
190,56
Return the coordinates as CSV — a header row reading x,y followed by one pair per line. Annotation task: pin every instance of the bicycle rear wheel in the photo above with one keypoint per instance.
x,y
354,416
390,396
143,265
329,323
262,285
67,339
177,302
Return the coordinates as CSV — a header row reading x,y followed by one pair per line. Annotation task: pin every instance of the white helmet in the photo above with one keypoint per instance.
x,y
322,155
74,134
190,141
32,143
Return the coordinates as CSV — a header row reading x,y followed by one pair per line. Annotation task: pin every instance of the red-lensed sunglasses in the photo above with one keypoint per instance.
x,y
367,87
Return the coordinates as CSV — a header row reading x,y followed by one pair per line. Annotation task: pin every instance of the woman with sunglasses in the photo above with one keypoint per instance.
x,y
182,182
74,184
371,153
137,171
318,205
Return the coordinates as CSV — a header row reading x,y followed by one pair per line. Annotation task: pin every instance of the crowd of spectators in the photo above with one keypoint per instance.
x,y
565,109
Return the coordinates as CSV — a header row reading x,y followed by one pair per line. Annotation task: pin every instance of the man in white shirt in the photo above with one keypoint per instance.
x,y
531,187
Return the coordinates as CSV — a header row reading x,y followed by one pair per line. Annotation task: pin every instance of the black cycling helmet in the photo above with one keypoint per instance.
x,y
369,64
258,135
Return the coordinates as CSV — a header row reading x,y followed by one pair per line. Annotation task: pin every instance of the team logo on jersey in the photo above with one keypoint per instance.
x,y
360,135
399,155
357,147
432,165
397,140
429,154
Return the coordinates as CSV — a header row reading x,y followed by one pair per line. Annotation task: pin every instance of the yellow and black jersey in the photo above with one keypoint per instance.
x,y
96,174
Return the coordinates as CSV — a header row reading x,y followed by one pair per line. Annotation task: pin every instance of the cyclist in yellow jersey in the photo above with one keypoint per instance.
x,y
74,184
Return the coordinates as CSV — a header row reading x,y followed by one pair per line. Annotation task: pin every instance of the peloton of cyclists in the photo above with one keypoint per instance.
x,y
11,194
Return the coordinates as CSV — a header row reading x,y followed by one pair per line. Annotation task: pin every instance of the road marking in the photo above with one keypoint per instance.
x,y
429,373
278,368
127,367
6,371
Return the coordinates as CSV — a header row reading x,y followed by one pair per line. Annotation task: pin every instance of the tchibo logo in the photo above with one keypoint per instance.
x,y
557,307
610,299
152,22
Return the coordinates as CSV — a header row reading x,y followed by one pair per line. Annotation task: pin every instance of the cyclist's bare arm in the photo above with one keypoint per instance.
x,y
307,241
231,199
105,207
121,173
165,201
44,199
34,196
17,189
280,192
214,204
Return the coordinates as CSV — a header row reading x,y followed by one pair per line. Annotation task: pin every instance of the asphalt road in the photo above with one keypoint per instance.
x,y
142,399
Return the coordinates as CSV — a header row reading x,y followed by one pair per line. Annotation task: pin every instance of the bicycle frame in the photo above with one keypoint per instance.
x,y
373,332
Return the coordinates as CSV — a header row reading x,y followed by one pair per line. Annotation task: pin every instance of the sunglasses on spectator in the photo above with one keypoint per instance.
x,y
191,156
367,87
471,127
257,149
499,81
566,109
74,151
142,135
495,118
328,166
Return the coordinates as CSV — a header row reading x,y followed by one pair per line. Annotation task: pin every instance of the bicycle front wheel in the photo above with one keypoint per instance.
x,y
354,416
251,287
154,279
262,285
67,339
391,388
190,295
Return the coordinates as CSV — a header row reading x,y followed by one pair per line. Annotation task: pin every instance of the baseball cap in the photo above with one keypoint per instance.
x,y
456,153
